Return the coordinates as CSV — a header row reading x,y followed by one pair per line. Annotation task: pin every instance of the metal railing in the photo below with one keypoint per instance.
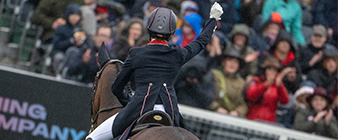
x,y
208,125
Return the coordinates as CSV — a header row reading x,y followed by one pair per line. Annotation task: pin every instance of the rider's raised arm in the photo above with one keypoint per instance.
x,y
193,48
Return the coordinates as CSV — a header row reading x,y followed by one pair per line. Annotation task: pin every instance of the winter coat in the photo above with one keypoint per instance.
x,y
322,78
291,13
231,97
63,35
324,12
291,61
262,100
251,67
47,12
155,67
86,70
304,122
199,95
250,11
195,22
306,54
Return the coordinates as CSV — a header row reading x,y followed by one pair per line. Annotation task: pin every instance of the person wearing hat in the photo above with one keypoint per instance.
x,y
311,57
194,84
269,32
229,86
325,76
187,7
318,118
68,38
292,19
239,38
154,68
190,29
283,49
265,92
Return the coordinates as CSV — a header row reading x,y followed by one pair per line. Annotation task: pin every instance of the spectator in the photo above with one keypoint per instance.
x,y
310,57
291,13
102,15
239,42
269,32
143,8
187,7
325,76
130,35
48,15
318,118
84,63
325,13
285,52
265,92
334,97
89,21
249,10
194,83
300,96
229,86
67,38
189,31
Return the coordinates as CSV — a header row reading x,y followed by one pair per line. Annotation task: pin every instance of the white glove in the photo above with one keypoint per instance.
x,y
216,11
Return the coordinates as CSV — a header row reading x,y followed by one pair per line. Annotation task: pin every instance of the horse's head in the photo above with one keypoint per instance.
x,y
104,104
103,56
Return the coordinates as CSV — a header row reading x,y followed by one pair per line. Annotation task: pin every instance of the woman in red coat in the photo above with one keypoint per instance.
x,y
266,91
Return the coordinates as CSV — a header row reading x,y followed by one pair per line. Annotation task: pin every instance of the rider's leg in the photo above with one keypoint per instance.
x,y
103,131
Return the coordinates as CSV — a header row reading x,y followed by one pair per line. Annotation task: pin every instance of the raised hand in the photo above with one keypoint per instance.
x,y
216,11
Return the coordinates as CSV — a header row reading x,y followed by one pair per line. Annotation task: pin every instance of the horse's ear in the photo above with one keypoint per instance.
x,y
103,55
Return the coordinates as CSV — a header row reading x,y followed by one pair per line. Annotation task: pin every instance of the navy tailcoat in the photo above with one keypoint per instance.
x,y
155,67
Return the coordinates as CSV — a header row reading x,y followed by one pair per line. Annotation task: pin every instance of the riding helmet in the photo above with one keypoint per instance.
x,y
162,22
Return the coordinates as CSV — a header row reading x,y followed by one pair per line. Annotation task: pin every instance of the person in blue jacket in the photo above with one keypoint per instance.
x,y
155,67
190,29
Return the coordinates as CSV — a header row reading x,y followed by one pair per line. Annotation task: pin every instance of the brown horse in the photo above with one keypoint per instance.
x,y
105,104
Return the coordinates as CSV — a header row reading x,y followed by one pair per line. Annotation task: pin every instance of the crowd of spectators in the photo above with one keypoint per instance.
x,y
272,61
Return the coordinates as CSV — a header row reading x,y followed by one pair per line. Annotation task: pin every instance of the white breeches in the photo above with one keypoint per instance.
x,y
104,130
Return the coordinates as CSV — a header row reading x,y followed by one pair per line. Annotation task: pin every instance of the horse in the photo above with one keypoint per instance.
x,y
105,104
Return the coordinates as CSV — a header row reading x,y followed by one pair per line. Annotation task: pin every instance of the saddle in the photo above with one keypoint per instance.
x,y
154,118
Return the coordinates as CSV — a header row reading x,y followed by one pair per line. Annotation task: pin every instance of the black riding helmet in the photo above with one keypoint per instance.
x,y
161,23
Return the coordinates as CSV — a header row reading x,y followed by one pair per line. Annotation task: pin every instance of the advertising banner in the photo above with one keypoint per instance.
x,y
39,107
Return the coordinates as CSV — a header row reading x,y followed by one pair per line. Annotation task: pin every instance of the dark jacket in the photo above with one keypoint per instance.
x,y
86,70
322,78
63,35
324,12
250,11
292,61
201,94
306,54
155,67
47,12
304,122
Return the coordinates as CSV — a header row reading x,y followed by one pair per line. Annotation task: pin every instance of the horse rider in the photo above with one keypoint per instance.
x,y
155,67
